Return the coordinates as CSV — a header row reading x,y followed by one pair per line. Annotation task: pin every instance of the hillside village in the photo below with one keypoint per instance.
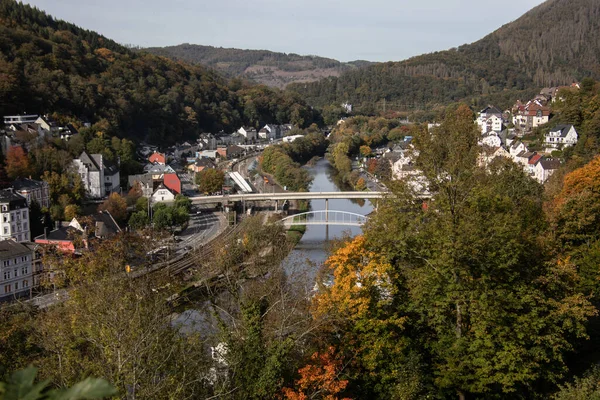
x,y
34,216
507,134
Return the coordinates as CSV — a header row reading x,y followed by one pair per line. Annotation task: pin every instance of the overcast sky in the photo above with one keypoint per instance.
x,y
375,30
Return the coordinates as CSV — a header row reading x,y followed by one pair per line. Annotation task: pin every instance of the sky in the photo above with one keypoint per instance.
x,y
374,30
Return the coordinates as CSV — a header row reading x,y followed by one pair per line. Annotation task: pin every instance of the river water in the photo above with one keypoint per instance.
x,y
312,250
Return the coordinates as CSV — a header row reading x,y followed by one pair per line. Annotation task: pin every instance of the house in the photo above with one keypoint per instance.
x,y
16,270
172,181
145,181
33,190
285,129
523,158
489,154
532,163
47,124
162,194
517,148
544,168
269,131
560,137
75,236
491,140
530,115
14,219
207,141
248,133
490,119
157,158
201,164
100,225
212,154
100,178
67,132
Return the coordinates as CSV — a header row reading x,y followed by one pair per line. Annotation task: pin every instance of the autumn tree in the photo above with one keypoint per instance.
x,y
321,378
116,205
17,163
365,151
210,180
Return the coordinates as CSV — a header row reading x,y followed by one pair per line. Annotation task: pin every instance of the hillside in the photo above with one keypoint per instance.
x,y
556,43
51,66
261,66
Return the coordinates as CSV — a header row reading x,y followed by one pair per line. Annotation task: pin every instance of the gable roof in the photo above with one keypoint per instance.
x,y
90,161
27,184
563,129
10,248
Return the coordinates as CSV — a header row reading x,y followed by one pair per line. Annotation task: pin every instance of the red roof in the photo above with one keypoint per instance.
x,y
157,158
533,160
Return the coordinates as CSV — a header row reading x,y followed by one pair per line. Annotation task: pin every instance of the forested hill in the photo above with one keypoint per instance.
x,y
262,66
556,43
54,67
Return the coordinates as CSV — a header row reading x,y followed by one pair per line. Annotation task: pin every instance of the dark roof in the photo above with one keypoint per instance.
x,y
105,224
204,162
61,234
550,163
27,184
89,160
14,199
144,179
491,110
10,248
563,129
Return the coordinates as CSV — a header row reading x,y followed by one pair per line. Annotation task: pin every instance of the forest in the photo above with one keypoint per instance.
x,y
260,66
49,66
554,44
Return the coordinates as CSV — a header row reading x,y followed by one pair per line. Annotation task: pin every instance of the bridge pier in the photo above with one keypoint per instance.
x,y
276,205
326,210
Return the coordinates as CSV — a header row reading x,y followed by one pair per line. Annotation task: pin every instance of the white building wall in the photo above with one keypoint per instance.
x,y
16,275
15,224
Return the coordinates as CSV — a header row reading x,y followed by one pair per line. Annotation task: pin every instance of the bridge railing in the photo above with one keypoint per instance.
x,y
325,217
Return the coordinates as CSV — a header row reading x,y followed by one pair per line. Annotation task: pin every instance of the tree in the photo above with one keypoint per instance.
x,y
210,180
163,218
17,163
471,295
138,220
71,211
116,205
320,378
365,151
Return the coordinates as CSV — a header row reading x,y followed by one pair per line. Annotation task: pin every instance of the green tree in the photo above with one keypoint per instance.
x,y
210,180
138,220
484,306
163,218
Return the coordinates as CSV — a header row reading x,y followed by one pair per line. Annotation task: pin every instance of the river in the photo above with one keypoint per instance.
x,y
312,250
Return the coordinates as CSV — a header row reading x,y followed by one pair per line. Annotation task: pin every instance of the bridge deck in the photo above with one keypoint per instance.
x,y
289,196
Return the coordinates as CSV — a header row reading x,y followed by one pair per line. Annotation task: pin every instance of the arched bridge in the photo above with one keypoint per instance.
x,y
325,217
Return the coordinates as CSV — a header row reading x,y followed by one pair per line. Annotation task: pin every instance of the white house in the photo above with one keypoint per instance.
x,y
561,136
516,148
544,168
38,191
530,115
14,217
490,119
269,131
248,133
162,194
16,270
491,140
99,177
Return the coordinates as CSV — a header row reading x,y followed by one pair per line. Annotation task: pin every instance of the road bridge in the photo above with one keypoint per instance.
x,y
287,196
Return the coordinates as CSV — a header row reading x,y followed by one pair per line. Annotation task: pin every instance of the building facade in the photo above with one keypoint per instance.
x,y
33,190
99,177
14,217
16,271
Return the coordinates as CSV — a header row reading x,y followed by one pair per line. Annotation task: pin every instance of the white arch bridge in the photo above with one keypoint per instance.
x,y
325,217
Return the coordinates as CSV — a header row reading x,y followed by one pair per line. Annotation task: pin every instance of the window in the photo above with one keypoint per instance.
x,y
13,228
25,283
24,214
24,271
6,275
15,271
6,263
7,289
24,226
16,285
6,230
5,218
